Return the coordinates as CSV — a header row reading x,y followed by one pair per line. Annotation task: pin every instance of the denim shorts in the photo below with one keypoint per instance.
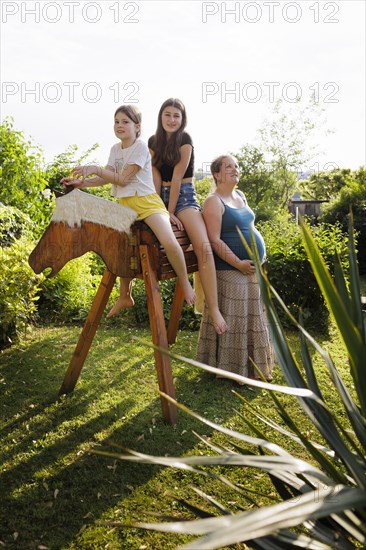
x,y
187,197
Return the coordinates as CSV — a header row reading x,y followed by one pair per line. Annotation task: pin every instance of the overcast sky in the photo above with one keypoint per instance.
x,y
67,65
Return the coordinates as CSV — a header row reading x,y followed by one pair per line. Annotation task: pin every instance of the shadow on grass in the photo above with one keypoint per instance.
x,y
52,485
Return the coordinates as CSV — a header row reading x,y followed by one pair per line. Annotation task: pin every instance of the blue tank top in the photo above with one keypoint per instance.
x,y
244,219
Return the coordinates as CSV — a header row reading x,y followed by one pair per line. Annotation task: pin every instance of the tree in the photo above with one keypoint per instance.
x,y
326,185
63,163
351,195
256,180
287,141
21,175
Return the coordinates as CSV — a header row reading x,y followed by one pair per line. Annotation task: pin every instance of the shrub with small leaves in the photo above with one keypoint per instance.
x,y
19,289
289,269
13,224
69,294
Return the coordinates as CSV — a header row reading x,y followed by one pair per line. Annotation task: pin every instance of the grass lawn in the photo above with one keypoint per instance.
x,y
57,494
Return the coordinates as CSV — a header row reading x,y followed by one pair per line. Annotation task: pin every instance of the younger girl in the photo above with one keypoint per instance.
x,y
129,170
173,169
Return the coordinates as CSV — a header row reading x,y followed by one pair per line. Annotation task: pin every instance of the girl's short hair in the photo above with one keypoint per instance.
x,y
133,113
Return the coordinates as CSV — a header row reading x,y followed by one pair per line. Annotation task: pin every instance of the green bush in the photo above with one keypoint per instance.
x,y
62,165
22,180
69,294
137,316
13,224
19,288
353,196
203,188
289,270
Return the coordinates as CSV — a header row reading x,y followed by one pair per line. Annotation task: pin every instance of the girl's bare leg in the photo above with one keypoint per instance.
x,y
162,228
196,229
125,297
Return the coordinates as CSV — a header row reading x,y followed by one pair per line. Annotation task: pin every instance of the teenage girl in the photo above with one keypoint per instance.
x,y
129,171
172,154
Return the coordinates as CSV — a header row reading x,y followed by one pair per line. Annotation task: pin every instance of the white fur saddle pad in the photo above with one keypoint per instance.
x,y
78,206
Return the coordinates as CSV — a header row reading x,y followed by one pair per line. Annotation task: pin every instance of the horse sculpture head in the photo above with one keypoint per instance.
x,y
81,223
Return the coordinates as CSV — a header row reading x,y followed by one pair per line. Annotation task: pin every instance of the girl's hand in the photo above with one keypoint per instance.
x,y
175,221
84,171
246,267
75,182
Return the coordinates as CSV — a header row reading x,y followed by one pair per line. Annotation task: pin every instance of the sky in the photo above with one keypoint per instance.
x,y
67,65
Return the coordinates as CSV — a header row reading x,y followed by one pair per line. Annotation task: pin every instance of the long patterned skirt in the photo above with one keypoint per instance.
x,y
247,337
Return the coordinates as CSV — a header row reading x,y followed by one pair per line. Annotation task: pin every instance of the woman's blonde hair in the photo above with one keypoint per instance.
x,y
216,165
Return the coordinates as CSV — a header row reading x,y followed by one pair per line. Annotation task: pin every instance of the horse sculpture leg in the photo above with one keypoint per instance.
x,y
159,334
176,311
88,332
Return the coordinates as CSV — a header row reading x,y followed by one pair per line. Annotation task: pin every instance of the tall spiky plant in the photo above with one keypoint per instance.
x,y
323,503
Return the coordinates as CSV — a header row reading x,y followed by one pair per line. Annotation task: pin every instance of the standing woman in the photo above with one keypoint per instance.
x,y
172,155
247,338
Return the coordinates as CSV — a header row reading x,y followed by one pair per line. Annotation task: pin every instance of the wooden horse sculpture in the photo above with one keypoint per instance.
x,y
81,223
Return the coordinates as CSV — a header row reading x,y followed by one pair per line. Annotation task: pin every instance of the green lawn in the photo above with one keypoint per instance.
x,y
57,494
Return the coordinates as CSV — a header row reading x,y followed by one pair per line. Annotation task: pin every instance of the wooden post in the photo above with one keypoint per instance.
x,y
158,333
88,332
177,305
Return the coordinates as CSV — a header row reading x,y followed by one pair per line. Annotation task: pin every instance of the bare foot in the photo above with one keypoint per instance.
x,y
189,294
122,302
218,322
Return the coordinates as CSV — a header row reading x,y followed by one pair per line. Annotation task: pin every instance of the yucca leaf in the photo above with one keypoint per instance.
x,y
325,429
195,510
297,391
355,288
322,460
330,435
340,283
346,328
320,416
132,456
275,426
357,420
214,446
284,355
308,364
287,539
246,526
190,463
212,501
318,452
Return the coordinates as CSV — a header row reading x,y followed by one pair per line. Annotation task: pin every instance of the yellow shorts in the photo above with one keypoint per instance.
x,y
145,205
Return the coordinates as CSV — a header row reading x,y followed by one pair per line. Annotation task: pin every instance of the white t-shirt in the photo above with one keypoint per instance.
x,y
142,182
